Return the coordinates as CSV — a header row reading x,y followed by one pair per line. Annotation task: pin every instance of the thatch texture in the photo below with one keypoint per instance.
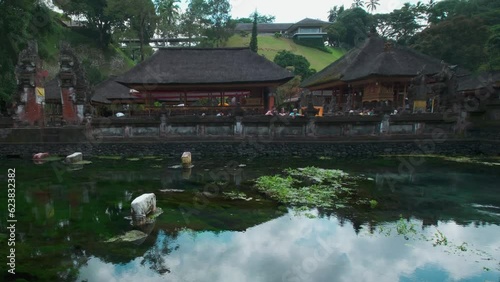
x,y
110,90
375,58
205,66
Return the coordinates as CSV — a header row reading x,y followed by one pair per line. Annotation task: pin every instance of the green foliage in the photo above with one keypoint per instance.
x,y
351,27
101,16
316,43
405,228
310,187
440,239
334,13
168,12
299,63
460,40
253,40
236,195
288,90
278,35
372,4
220,25
373,203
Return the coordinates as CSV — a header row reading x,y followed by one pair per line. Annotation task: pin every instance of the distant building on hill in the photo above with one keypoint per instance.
x,y
304,29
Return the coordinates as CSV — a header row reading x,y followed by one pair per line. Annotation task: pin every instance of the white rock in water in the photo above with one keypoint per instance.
x,y
143,205
74,158
186,158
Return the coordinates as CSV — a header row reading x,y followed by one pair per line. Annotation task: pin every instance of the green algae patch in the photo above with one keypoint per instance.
x,y
82,163
130,236
312,187
109,157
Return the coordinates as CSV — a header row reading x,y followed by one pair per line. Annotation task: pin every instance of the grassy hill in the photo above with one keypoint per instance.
x,y
269,46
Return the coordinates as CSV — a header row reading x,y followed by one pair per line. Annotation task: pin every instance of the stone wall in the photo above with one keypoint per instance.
x,y
253,147
256,135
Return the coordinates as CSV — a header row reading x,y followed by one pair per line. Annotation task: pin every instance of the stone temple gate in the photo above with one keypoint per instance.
x,y
73,87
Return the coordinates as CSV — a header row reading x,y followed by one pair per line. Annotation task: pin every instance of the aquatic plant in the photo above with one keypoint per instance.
x,y
311,187
236,195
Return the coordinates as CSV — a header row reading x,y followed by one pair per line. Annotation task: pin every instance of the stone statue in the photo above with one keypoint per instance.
x,y
418,88
445,87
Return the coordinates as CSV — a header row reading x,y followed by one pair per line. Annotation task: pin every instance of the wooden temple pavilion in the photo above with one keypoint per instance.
x,y
110,97
205,80
372,74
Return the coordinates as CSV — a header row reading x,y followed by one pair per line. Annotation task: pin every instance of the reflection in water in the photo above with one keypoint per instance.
x,y
292,248
203,236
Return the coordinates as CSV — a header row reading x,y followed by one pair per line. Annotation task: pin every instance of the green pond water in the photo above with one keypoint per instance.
x,y
436,220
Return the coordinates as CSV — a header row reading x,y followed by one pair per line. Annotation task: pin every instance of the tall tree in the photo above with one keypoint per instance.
x,y
371,5
193,21
220,24
334,13
143,21
15,17
406,22
253,40
168,15
493,49
351,27
357,4
460,40
98,16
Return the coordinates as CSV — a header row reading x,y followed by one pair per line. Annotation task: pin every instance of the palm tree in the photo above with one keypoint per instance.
x,y
372,5
168,11
334,13
357,3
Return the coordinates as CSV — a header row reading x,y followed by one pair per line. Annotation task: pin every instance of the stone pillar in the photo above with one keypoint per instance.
x,y
311,126
238,126
163,125
385,125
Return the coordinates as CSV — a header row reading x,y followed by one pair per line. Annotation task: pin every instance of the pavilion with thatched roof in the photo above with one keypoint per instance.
x,y
372,73
196,78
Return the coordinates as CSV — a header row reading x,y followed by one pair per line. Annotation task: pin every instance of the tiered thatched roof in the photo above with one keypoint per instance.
x,y
374,58
109,90
172,67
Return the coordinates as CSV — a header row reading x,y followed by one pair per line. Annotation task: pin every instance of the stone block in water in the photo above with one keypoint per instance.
x,y
39,156
74,158
186,159
143,205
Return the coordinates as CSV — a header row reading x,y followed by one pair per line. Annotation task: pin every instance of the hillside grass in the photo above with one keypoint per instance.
x,y
269,46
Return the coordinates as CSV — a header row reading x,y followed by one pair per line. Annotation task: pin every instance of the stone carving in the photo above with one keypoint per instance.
x,y
75,89
445,87
418,88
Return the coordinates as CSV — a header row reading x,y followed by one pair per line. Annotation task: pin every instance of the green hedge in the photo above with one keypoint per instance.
x,y
317,43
